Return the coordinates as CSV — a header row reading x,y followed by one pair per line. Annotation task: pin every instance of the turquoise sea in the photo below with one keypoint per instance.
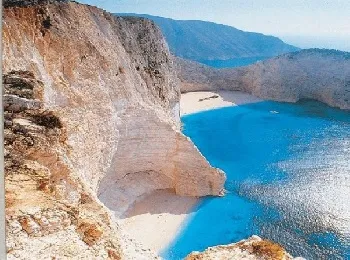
x,y
288,179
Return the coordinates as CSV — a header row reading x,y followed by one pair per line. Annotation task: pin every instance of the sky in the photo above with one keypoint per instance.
x,y
304,23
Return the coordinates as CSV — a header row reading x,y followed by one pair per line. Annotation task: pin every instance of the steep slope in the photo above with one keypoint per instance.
x,y
322,75
202,41
104,119
49,210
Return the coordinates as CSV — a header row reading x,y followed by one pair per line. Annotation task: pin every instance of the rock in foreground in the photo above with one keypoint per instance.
x,y
253,248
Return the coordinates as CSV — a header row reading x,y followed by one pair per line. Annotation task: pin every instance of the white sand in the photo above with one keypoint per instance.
x,y
157,218
190,102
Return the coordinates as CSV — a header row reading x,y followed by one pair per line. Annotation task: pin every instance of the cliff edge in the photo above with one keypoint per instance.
x,y
92,125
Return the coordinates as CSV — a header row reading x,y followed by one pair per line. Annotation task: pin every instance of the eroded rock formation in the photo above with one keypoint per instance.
x,y
253,248
322,75
49,210
92,110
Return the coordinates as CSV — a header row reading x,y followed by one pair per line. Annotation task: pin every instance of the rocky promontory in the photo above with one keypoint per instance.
x,y
92,126
253,248
318,74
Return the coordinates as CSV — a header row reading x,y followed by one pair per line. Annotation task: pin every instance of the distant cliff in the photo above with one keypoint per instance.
x,y
199,40
318,74
92,125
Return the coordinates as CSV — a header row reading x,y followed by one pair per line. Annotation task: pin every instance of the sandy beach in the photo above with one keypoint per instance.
x,y
156,219
194,102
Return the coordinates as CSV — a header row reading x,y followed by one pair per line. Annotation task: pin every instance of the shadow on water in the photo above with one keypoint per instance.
x,y
288,178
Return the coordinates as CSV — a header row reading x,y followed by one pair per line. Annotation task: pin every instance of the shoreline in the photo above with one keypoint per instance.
x,y
157,218
194,102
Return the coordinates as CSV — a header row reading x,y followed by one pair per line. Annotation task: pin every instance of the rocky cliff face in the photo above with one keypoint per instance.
x,y
322,75
49,210
9,3
93,115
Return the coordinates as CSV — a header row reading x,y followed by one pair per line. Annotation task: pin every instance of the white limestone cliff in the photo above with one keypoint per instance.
x,y
322,75
109,87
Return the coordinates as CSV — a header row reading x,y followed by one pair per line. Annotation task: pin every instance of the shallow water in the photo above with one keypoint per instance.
x,y
288,169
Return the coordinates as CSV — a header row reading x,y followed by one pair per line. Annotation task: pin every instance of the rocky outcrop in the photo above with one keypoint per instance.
x,y
322,75
9,3
92,111
253,248
49,211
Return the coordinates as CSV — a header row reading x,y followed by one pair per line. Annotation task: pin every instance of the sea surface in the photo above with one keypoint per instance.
x,y
288,179
233,63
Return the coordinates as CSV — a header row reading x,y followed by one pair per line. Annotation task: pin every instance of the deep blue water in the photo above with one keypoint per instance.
x,y
288,179
232,63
